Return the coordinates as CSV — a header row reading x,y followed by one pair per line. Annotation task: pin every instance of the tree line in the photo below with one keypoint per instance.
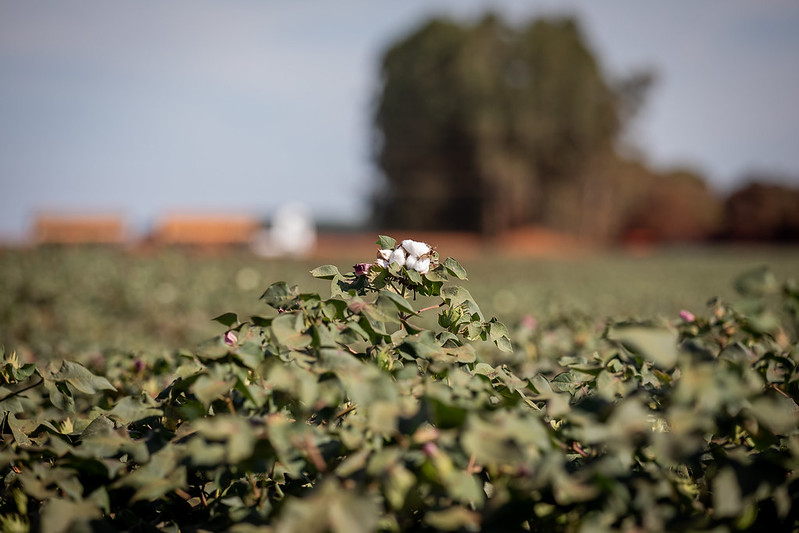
x,y
487,126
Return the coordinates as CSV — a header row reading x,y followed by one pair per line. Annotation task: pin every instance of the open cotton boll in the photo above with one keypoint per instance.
x,y
385,255
411,260
415,247
382,262
397,256
422,266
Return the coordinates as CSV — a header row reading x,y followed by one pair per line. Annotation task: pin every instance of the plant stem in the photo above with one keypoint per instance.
x,y
429,308
23,389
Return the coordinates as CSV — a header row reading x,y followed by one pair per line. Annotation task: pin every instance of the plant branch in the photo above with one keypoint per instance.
x,y
429,308
23,389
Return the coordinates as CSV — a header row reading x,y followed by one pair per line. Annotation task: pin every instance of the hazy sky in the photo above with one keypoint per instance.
x,y
150,106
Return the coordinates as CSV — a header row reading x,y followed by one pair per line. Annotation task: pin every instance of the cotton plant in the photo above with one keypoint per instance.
x,y
409,268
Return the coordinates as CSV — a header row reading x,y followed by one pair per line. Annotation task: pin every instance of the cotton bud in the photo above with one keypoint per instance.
x,y
422,266
361,269
410,262
397,256
415,247
230,338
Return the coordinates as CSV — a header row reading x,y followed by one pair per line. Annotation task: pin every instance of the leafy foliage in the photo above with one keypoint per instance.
x,y
352,413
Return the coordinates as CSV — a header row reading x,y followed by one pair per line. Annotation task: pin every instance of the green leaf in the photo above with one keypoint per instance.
x,y
332,508
334,309
261,322
161,486
325,272
454,296
497,329
208,389
130,409
279,295
401,303
657,345
444,415
382,311
19,429
60,395
288,331
431,287
227,319
726,494
757,282
59,516
464,488
463,354
414,276
385,242
160,475
400,481
79,377
498,333
777,413
452,519
383,417
454,268
356,328
504,344
100,426
235,431
24,372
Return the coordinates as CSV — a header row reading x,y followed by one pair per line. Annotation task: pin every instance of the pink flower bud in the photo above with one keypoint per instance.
x,y
687,316
430,449
529,322
361,269
230,338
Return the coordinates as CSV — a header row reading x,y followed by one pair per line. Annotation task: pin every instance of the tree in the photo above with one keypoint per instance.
x,y
485,127
676,206
762,211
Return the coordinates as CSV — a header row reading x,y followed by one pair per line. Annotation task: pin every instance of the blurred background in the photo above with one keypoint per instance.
x,y
180,143
612,121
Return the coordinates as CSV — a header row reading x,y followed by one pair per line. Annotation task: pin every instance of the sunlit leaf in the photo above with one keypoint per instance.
x,y
325,272
657,345
227,319
453,519
385,242
279,295
81,378
454,268
288,330
401,303
757,282
60,515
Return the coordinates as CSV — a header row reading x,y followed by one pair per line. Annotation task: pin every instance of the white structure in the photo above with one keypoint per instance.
x,y
292,232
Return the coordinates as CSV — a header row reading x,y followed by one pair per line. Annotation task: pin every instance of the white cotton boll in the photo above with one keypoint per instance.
x,y
415,247
382,262
397,256
410,262
385,255
422,266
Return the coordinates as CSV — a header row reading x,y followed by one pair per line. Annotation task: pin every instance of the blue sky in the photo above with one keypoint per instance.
x,y
147,107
